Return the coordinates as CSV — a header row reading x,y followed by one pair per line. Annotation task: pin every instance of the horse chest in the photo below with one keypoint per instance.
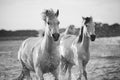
x,y
83,54
49,63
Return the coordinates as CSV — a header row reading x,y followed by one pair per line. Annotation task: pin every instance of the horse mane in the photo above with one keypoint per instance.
x,y
48,14
87,20
81,35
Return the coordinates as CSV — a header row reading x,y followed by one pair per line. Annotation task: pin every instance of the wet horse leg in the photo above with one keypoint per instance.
x,y
56,74
69,71
61,71
85,74
21,76
81,69
39,73
84,71
24,73
28,77
63,67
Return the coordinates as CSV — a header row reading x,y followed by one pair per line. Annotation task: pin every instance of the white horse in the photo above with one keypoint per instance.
x,y
70,30
41,54
75,50
81,44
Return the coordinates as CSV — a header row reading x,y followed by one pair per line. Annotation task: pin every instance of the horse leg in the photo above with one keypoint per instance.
x,y
39,73
25,72
69,71
84,71
28,77
85,74
21,76
56,74
61,71
81,69
63,67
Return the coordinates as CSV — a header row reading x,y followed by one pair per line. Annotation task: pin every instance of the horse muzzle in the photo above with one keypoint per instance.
x,y
56,36
92,37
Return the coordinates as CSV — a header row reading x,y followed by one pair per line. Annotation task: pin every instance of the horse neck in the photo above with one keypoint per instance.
x,y
83,39
49,44
85,42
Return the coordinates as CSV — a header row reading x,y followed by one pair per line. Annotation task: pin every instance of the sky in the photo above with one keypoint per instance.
x,y
26,14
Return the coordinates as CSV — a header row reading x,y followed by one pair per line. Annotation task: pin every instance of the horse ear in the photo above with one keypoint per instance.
x,y
57,13
83,18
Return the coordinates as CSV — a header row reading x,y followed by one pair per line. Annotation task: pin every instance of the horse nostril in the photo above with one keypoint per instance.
x,y
56,36
93,37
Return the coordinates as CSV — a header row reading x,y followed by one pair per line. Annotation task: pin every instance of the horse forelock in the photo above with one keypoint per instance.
x,y
48,14
87,20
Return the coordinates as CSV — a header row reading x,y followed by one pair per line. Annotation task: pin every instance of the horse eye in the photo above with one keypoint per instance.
x,y
87,25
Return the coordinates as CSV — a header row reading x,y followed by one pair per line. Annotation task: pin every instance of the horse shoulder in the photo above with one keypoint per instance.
x,y
24,48
26,51
38,57
83,54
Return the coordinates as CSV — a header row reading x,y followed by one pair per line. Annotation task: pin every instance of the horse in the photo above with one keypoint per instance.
x,y
75,49
70,30
81,45
41,54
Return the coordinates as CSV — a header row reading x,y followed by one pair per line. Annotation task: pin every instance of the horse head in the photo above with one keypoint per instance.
x,y
70,29
89,26
51,19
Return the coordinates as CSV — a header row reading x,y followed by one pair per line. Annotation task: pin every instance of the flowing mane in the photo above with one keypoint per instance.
x,y
87,20
48,14
81,35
